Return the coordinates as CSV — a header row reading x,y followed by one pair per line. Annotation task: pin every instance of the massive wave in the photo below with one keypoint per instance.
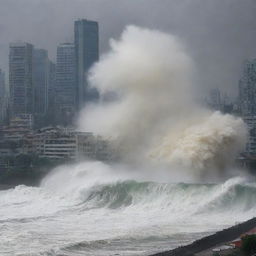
x,y
93,208
148,105
94,185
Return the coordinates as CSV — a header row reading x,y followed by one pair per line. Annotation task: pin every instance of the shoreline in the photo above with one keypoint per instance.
x,y
206,243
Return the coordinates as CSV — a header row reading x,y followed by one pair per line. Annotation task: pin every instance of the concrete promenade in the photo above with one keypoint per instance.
x,y
202,246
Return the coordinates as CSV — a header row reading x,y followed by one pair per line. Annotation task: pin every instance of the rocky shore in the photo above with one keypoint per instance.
x,y
208,242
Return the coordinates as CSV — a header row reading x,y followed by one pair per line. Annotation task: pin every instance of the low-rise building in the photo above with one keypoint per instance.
x,y
68,143
52,142
59,146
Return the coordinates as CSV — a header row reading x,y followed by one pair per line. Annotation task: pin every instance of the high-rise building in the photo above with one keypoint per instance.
x,y
21,79
247,89
40,79
65,100
247,102
3,97
87,53
40,76
2,84
50,120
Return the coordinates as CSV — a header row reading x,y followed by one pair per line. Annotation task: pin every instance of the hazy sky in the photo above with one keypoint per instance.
x,y
219,34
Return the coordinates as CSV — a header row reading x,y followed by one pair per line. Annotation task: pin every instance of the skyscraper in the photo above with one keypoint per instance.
x,y
3,97
50,120
20,78
40,76
2,84
65,101
247,89
247,102
87,53
40,79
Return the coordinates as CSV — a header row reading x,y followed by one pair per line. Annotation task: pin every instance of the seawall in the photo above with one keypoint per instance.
x,y
207,242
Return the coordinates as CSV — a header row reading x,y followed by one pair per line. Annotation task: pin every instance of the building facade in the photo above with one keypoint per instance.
x,y
65,143
65,100
41,80
21,79
40,72
247,103
87,53
3,98
247,89
50,117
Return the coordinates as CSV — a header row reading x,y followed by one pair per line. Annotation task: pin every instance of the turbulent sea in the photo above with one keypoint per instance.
x,y
91,209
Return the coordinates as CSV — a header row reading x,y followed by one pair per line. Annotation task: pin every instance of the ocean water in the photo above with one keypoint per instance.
x,y
96,209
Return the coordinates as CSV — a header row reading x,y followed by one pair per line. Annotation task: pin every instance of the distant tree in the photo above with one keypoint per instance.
x,y
249,245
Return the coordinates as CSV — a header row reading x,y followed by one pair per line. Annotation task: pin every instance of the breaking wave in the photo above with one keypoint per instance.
x,y
98,209
196,198
97,185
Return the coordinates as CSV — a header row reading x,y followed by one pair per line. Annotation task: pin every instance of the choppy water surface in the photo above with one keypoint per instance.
x,y
89,209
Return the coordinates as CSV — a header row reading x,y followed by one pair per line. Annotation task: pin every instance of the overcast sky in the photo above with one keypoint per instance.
x,y
219,34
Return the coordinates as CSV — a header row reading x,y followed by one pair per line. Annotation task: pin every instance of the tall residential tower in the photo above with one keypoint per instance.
x,y
41,80
247,89
247,102
87,53
40,72
3,97
65,101
21,79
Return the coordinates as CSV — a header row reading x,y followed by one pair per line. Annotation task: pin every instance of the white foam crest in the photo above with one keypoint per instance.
x,y
30,202
76,183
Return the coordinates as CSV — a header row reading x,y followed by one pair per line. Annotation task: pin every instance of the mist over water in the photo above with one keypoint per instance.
x,y
155,198
152,113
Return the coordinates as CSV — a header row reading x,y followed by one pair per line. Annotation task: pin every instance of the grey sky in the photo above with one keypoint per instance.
x,y
219,34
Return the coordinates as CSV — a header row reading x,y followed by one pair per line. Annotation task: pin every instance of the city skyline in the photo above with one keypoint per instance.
x,y
218,41
52,93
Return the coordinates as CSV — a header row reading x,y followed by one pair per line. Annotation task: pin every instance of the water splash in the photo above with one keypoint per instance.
x,y
151,111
